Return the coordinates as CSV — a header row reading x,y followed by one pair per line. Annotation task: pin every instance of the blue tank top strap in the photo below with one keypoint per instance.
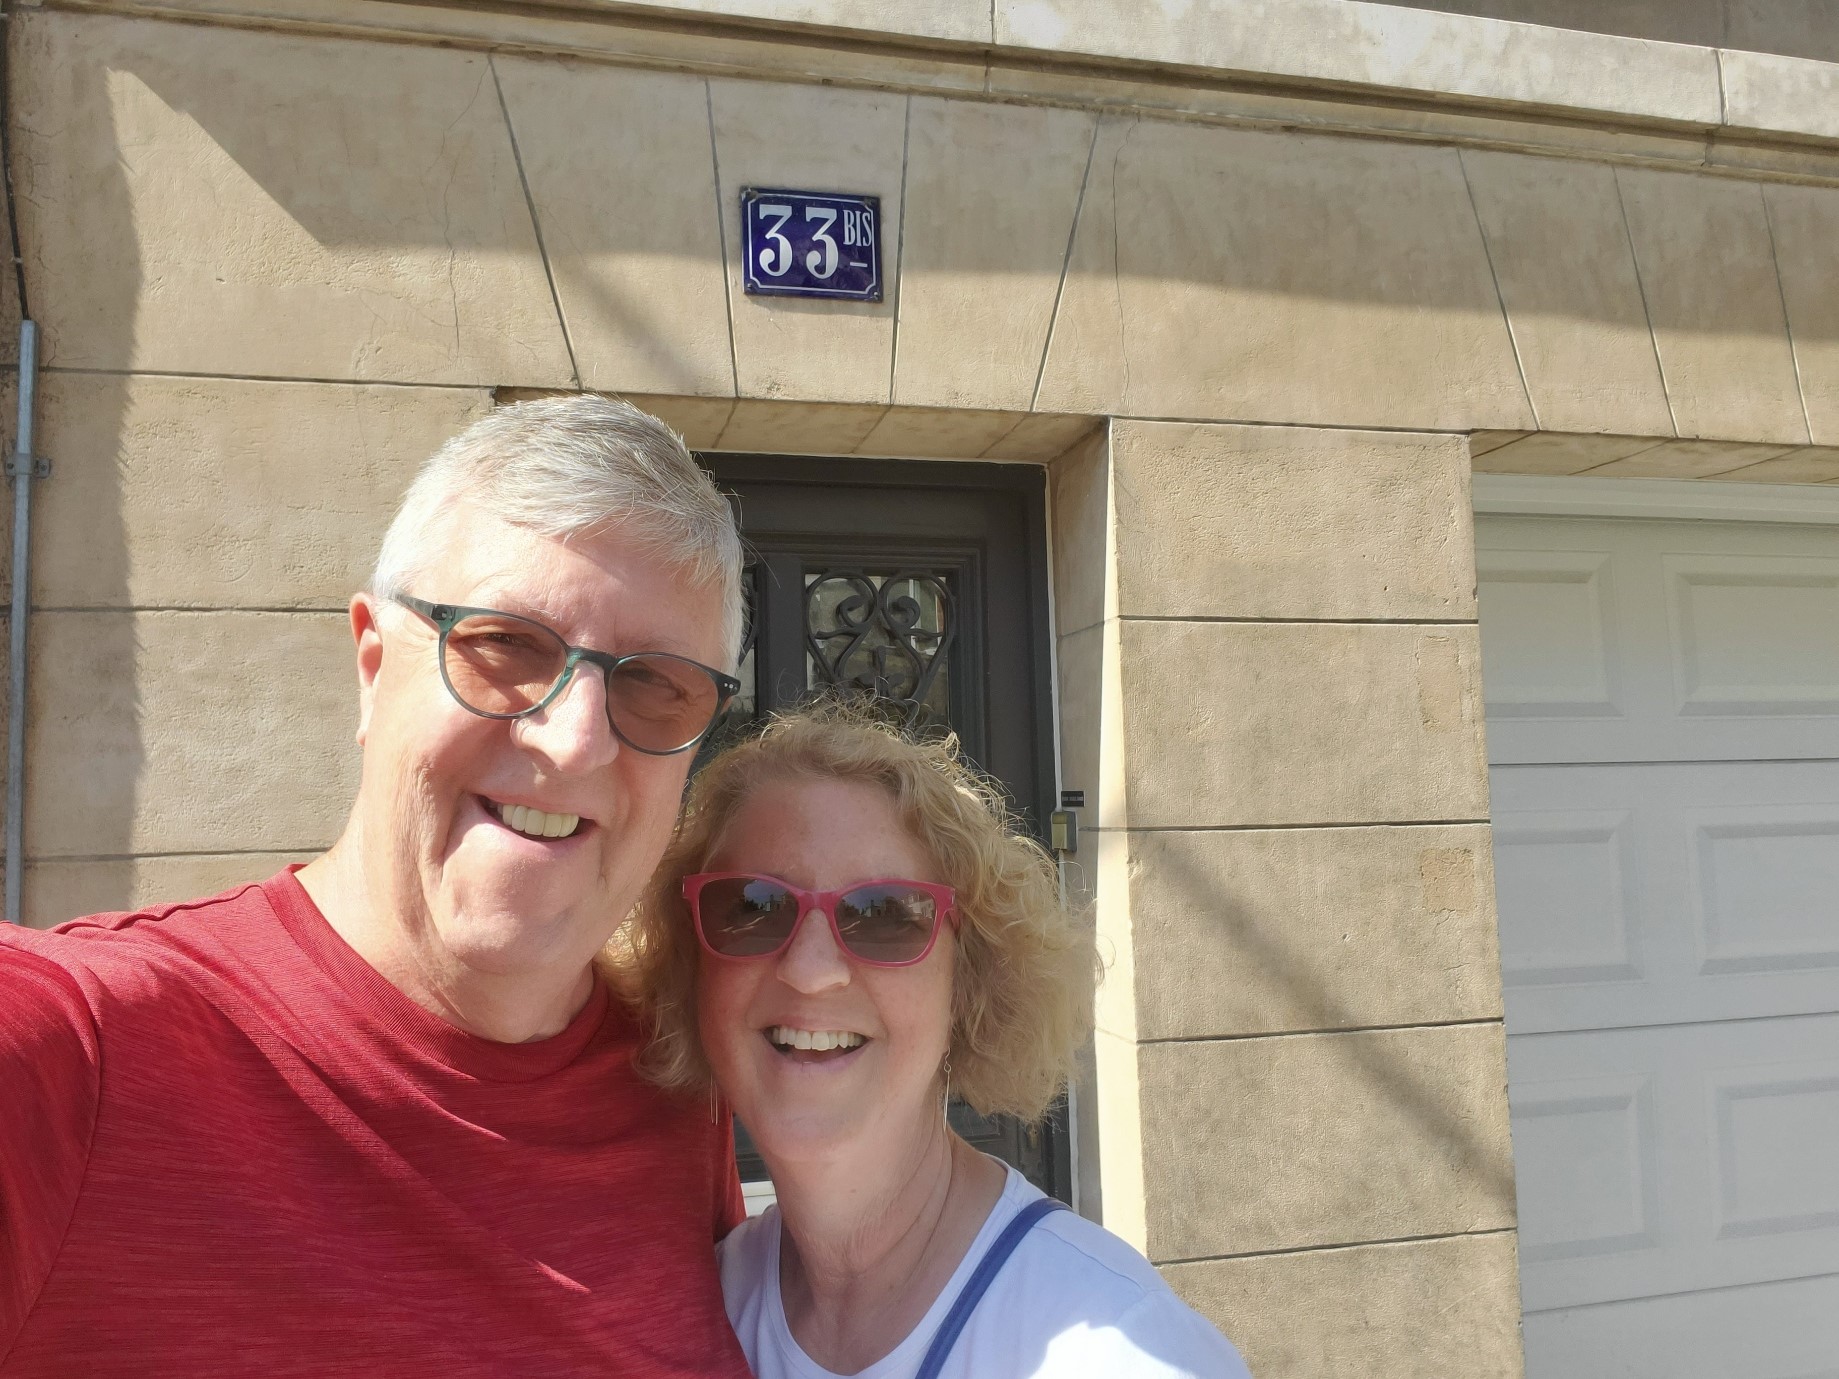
x,y
979,1283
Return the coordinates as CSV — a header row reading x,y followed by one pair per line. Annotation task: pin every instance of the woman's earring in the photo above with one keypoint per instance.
x,y
945,1101
715,1107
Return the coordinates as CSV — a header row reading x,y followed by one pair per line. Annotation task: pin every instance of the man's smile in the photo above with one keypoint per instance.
x,y
533,822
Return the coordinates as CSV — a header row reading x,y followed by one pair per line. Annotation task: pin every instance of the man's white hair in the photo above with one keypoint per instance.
x,y
568,466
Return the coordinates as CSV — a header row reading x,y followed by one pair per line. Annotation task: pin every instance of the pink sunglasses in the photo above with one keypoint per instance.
x,y
890,923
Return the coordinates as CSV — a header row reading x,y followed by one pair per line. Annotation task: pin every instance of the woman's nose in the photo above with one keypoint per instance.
x,y
812,961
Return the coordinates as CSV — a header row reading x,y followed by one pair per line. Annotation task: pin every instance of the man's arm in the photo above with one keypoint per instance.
x,y
50,1083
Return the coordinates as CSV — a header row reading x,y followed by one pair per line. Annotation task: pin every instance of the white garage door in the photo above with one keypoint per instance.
x,y
1663,733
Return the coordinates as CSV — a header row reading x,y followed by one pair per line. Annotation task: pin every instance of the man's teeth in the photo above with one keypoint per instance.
x,y
819,1040
536,823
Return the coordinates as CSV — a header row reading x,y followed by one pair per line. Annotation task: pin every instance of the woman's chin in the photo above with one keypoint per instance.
x,y
790,1135
801,1108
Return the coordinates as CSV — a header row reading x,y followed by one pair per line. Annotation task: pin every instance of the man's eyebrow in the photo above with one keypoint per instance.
x,y
676,646
525,608
688,651
506,602
555,622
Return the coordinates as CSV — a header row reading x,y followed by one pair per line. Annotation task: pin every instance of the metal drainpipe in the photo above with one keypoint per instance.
x,y
23,466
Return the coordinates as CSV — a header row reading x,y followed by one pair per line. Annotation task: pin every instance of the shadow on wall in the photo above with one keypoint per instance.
x,y
83,749
188,729
1793,28
9,425
1408,1153
324,173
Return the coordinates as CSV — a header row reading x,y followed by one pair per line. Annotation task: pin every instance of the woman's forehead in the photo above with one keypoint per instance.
x,y
845,829
834,804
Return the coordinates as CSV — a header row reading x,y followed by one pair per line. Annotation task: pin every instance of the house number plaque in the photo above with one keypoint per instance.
x,y
811,244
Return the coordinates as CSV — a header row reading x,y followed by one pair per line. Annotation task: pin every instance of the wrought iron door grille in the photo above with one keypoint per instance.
x,y
885,636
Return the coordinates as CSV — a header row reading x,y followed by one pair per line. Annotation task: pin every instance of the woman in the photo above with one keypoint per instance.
x,y
844,934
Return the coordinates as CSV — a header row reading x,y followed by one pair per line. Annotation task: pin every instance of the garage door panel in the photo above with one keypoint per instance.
x,y
1667,893
1665,1160
1607,641
1605,1148
1753,635
1588,1177
1765,879
1773,1331
1571,875
1543,599
1769,1124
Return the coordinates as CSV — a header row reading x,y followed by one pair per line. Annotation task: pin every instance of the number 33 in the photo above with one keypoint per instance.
x,y
776,256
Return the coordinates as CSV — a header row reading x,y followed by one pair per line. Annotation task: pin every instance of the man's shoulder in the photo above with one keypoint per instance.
x,y
43,1000
119,953
154,921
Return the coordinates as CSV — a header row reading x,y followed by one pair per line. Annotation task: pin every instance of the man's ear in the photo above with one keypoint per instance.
x,y
366,631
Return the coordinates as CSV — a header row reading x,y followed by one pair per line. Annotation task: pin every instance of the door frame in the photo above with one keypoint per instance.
x,y
1028,483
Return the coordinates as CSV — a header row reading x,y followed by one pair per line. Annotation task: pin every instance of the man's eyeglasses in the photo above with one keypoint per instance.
x,y
882,923
500,665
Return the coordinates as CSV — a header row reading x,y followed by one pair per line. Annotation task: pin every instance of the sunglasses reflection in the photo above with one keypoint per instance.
x,y
885,923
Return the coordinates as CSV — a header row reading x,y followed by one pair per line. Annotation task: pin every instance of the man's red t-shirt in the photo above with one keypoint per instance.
x,y
229,1147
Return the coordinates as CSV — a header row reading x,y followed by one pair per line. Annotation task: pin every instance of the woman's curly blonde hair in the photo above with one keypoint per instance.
x,y
1022,983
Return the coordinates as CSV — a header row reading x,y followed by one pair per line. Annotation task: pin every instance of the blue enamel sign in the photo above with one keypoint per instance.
x,y
811,244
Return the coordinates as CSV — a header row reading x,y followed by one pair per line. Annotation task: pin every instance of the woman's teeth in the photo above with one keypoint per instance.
x,y
818,1040
536,823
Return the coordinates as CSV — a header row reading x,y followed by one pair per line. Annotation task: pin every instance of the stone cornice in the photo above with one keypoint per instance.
x,y
1330,65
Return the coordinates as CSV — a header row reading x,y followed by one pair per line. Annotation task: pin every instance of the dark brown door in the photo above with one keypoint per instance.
x,y
924,585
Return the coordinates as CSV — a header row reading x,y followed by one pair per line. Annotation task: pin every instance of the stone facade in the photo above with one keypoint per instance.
x,y
1259,331
1275,690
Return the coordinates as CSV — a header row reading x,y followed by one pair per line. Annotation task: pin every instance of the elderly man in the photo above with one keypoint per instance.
x,y
378,1115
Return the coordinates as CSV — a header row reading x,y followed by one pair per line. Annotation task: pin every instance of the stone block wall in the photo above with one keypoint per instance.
x,y
193,700
1270,691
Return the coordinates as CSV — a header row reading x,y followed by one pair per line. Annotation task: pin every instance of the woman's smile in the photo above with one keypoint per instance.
x,y
788,1039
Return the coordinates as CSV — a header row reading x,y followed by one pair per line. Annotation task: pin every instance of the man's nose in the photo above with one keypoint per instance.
x,y
572,734
812,962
